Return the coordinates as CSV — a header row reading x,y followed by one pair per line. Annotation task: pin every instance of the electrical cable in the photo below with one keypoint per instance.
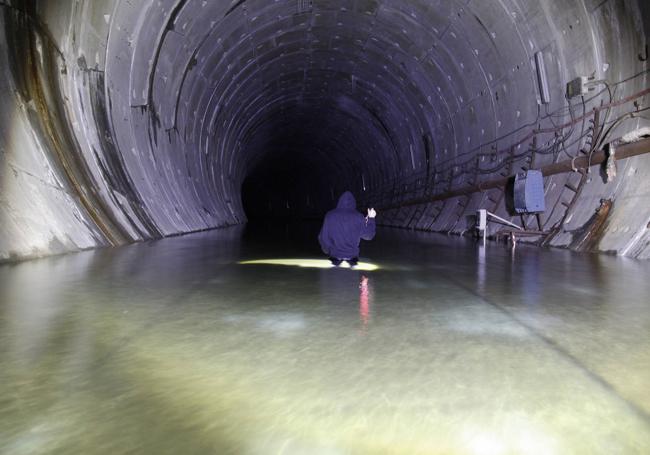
x,y
597,139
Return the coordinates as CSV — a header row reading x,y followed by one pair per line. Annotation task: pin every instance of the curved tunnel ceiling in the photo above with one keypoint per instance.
x,y
346,77
173,105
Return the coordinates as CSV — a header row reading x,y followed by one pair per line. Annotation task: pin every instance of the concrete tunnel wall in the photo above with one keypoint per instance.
x,y
123,121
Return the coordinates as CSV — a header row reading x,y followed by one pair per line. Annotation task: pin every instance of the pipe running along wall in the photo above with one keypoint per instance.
x,y
123,121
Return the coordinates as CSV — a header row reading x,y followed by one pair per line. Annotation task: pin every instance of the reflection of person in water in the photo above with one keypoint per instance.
x,y
364,303
343,229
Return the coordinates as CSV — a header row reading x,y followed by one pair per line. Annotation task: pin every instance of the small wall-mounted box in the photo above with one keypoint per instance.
x,y
577,87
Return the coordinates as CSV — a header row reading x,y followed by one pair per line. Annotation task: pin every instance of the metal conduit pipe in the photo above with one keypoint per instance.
x,y
581,162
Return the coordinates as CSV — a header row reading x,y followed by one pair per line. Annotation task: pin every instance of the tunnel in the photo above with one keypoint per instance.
x,y
503,143
130,122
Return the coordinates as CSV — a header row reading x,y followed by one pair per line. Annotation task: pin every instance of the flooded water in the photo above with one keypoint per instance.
x,y
176,347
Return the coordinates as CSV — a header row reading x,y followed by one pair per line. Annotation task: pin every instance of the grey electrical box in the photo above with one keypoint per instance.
x,y
577,87
529,192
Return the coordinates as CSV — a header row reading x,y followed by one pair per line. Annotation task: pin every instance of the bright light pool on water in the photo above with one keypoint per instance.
x,y
313,263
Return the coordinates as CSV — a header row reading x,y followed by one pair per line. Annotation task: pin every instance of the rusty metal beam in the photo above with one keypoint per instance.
x,y
581,162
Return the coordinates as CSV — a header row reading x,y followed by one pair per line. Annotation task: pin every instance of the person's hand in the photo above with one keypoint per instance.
x,y
372,213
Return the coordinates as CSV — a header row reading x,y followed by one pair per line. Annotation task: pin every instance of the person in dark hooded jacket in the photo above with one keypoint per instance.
x,y
343,229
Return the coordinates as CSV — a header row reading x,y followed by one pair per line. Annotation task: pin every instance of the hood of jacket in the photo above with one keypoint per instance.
x,y
347,201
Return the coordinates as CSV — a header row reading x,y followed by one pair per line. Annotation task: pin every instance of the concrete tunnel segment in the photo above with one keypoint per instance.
x,y
125,121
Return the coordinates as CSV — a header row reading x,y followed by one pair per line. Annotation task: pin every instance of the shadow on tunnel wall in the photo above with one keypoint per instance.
x,y
35,65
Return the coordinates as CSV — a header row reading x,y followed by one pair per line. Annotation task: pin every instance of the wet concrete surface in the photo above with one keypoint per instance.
x,y
172,347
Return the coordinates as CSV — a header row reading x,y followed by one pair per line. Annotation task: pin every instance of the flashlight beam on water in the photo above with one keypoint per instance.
x,y
310,263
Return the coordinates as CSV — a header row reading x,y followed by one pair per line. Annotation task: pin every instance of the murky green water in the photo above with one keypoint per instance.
x,y
172,347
